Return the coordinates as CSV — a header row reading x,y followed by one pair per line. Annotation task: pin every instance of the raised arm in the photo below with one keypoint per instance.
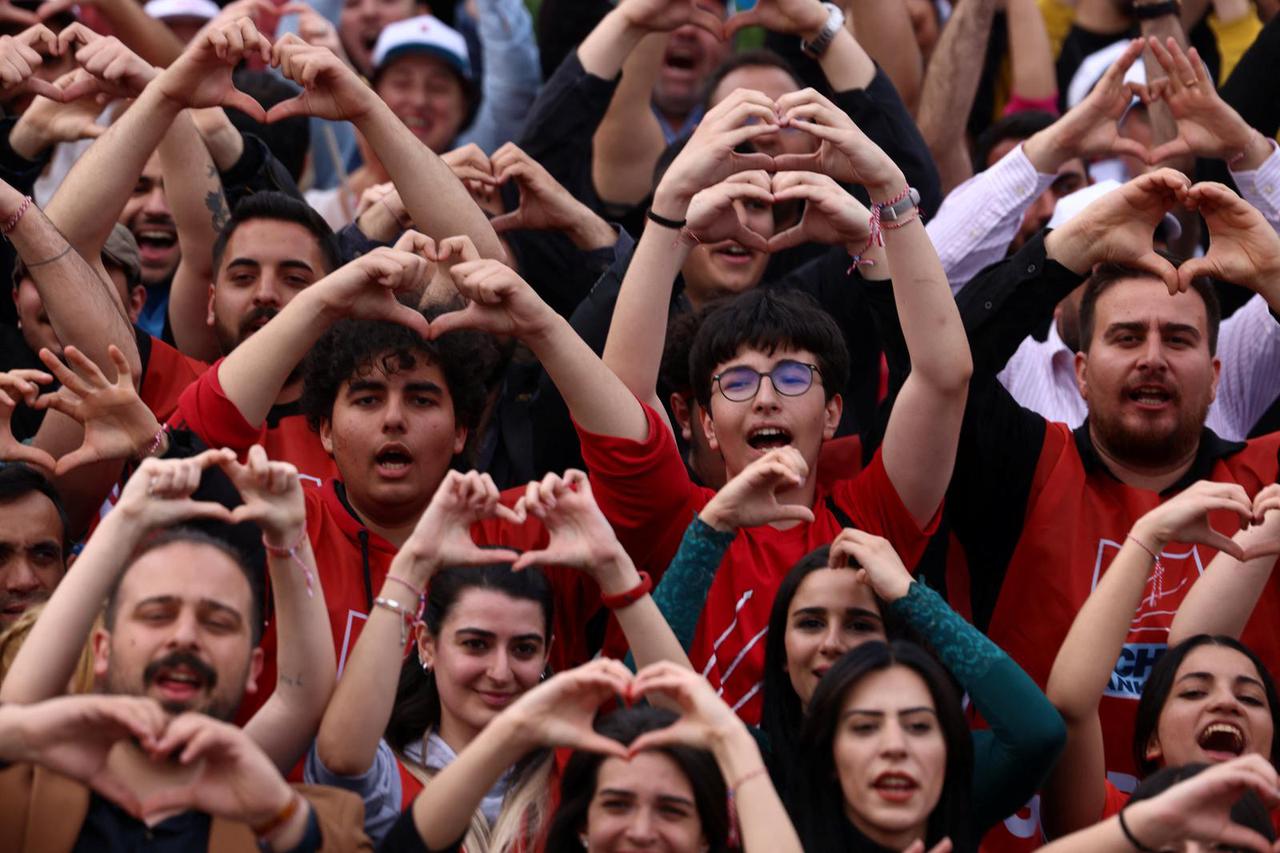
x,y
634,347
305,663
193,191
950,84
1035,83
1223,597
1074,795
436,200
629,140
923,430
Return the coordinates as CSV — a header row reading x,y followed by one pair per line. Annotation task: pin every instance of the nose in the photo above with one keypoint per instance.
x,y
21,577
393,414
893,742
499,670
155,204
185,630
1153,352
766,395
267,291
1224,700
833,642
640,831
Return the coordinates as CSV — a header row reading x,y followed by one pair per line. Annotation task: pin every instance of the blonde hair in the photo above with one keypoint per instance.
x,y
12,638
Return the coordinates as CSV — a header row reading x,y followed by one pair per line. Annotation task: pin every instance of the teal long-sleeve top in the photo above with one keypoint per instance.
x,y
1025,733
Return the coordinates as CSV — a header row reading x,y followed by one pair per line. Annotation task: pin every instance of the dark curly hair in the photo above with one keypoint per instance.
x,y
469,361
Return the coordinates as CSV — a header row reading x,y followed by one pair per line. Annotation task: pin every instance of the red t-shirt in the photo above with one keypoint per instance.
x,y
645,491
166,373
204,409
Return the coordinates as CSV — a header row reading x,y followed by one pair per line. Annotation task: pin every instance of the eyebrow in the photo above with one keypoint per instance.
x,y
490,635
291,263
171,600
853,611
1208,676
1165,328
666,798
865,712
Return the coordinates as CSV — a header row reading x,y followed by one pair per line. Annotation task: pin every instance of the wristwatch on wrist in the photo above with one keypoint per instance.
x,y
820,43
897,210
1148,11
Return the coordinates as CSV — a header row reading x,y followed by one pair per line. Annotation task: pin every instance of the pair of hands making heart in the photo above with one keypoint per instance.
x,y
1118,228
132,752
1185,518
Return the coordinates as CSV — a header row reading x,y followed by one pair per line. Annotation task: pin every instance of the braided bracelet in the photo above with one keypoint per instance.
x,y
12,222
291,553
1157,577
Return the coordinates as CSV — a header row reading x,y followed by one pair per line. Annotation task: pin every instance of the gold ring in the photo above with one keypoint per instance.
x,y
1189,83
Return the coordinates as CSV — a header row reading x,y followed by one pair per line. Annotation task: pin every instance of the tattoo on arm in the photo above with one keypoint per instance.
x,y
290,681
217,204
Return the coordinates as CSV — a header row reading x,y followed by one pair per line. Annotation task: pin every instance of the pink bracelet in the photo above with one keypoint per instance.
x,y
417,593
155,442
733,809
1157,577
291,553
12,222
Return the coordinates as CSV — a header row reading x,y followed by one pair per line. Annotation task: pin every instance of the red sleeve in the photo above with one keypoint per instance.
x,y
1115,801
873,504
205,410
644,491
165,376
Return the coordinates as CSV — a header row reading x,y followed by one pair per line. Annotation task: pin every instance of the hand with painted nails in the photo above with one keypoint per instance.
x,y
1185,518
579,535
158,494
560,711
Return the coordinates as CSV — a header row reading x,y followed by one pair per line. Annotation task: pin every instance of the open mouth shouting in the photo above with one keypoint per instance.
x,y
157,241
1151,396
179,678
1222,741
766,438
393,461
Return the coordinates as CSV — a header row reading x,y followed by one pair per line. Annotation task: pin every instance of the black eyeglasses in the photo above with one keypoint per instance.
x,y
789,378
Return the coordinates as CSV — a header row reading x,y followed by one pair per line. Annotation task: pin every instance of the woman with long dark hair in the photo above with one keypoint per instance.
x,y
851,592
887,725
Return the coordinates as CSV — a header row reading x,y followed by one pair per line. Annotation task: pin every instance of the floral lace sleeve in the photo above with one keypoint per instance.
x,y
685,584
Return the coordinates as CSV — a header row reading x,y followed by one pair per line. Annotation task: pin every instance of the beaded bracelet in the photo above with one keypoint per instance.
x,y
282,817
154,444
291,553
12,222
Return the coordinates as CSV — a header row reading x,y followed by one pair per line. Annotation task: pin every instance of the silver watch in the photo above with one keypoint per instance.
x,y
897,210
820,43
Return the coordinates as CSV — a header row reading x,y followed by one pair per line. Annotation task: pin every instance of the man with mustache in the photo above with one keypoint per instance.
x,y
181,628
1039,510
33,540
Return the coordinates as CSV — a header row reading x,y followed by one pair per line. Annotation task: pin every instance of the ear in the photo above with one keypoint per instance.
x,y
1154,752
1082,374
209,317
137,299
256,660
101,641
426,648
1217,374
835,406
709,426
326,435
680,409
459,439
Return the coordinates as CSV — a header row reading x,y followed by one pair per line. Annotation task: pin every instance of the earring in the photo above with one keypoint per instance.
x,y
582,839
426,667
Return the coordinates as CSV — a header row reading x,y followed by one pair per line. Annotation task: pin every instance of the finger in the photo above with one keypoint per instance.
x,y
736,23
68,377
18,452
295,106
250,107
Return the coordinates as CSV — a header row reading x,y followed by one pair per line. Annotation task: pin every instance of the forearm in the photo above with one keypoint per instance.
x,y
1031,55
847,65
686,582
83,307
436,200
764,822
604,51
1144,821
94,193
598,400
1163,126
442,812
633,350
951,83
629,140
885,29
648,634
305,663
221,137
193,191
146,36
1222,599
253,375
512,73
47,659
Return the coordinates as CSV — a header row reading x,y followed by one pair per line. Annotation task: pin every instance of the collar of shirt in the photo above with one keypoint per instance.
x,y
440,755
1211,449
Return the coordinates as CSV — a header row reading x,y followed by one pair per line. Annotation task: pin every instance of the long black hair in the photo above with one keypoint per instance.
x,y
1155,695
816,799
578,783
782,713
417,703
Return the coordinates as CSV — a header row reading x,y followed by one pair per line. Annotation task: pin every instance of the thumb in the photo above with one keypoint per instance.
x,y
412,319
44,88
32,456
1225,544
92,131
452,321
1161,269
743,19
794,512
508,221
1262,549
247,105
80,456
295,106
1165,151
1193,269
78,89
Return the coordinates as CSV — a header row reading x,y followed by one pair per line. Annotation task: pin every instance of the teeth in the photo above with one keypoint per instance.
x,y
767,432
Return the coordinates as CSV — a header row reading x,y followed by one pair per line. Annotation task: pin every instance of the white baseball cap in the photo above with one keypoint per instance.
x,y
1070,205
424,34
203,10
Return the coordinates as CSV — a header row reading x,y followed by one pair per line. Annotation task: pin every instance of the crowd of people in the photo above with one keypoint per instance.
x,y
660,425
